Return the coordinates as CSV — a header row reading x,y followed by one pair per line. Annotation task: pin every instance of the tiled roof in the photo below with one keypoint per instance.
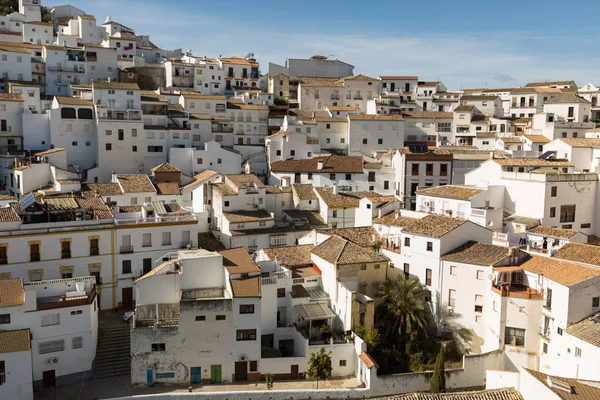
x,y
96,205
103,189
246,287
582,142
247,216
399,78
567,98
465,108
201,117
249,107
538,138
165,167
578,252
528,90
15,341
451,192
511,139
237,61
11,292
8,214
10,97
331,164
532,162
359,77
562,272
304,191
427,83
274,189
478,97
207,241
364,236
240,179
340,200
553,232
485,135
394,219
115,85
374,117
580,390
196,95
477,253
518,219
434,225
136,183
493,394
291,256
224,189
238,261
321,82
549,83
167,188
130,209
49,151
428,114
73,101
201,177
587,330
366,360
341,108
14,48
337,250
313,217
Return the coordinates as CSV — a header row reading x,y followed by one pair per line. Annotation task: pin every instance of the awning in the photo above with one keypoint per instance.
x,y
313,311
508,269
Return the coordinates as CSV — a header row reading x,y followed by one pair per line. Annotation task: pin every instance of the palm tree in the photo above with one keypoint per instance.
x,y
449,327
405,307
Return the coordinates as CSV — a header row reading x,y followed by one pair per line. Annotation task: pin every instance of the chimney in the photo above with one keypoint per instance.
x,y
284,182
114,176
335,188
108,80
491,154
320,165
379,213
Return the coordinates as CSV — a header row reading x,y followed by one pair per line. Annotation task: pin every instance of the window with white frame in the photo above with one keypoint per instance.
x,y
51,319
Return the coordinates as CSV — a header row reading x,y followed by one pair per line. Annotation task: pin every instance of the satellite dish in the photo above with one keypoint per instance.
x,y
491,223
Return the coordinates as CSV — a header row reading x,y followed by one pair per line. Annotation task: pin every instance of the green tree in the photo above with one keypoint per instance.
x,y
406,309
451,330
319,365
438,379
9,6
269,380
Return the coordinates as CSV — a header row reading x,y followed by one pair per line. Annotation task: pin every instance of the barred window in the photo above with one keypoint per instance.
x,y
51,347
77,342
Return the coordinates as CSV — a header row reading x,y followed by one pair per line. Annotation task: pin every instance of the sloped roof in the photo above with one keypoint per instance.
x,y
587,330
451,192
15,341
567,98
549,83
11,292
593,143
331,164
246,287
578,252
165,167
364,236
304,191
580,390
247,216
394,219
477,253
560,271
553,232
493,394
238,261
434,225
136,183
337,250
291,256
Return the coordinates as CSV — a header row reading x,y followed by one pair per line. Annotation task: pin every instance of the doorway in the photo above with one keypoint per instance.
x,y
241,370
146,265
127,298
195,374
294,374
49,379
215,373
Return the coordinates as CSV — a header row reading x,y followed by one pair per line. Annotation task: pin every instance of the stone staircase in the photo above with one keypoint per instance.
x,y
113,355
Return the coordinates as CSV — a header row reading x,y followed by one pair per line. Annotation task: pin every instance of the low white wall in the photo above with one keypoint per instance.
x,y
500,379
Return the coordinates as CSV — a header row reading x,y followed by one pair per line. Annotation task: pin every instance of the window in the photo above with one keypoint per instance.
x,y
443,169
577,352
226,203
428,277
219,161
278,152
126,266
479,275
246,308
166,238
155,149
77,342
588,225
342,363
453,269
108,146
281,292
552,212
553,191
146,240
514,336
51,319
245,334
567,213
200,317
34,251
559,331
478,303
407,241
65,246
51,347
406,270
429,169
332,177
4,318
292,153
414,169
342,140
66,272
94,246
158,347
595,301
253,366
451,297
429,246
348,177
365,141
134,149
121,134
363,267
220,318
334,213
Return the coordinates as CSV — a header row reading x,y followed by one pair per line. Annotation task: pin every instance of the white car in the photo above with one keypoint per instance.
x,y
127,316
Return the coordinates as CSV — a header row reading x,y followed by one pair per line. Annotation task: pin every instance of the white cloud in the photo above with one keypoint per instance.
x,y
460,60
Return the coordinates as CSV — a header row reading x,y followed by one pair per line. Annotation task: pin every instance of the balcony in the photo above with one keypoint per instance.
x,y
126,249
545,333
33,257
66,254
94,251
120,115
59,68
50,303
335,97
358,97
518,291
270,278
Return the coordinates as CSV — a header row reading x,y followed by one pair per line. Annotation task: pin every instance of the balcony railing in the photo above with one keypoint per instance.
x,y
3,260
80,70
94,251
545,333
34,257
335,97
518,291
126,249
49,303
120,117
66,254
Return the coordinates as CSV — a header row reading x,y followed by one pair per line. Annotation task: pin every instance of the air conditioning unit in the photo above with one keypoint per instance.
x,y
53,360
243,358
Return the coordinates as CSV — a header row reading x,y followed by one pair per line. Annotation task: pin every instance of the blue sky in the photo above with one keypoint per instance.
x,y
464,43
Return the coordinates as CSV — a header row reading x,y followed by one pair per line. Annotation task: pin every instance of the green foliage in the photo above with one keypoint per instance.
x,y
319,365
46,17
280,101
361,331
269,380
438,379
406,306
373,339
9,6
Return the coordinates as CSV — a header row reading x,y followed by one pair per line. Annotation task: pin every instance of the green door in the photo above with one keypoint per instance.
x,y
215,374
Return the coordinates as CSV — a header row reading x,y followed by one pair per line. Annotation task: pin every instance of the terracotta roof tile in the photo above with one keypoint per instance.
x,y
115,85
366,360
247,216
549,83
364,236
478,253
249,107
465,108
374,117
240,180
341,108
103,189
538,138
96,205
580,390
493,394
224,189
451,192
593,143
581,253
207,241
587,330
196,95
165,167
167,188
434,225
394,219
246,287
199,178
8,214
304,191
15,341
399,78
73,101
331,164
11,292
532,162
10,97
238,261
136,183
313,217
291,256
337,250
553,232
428,114
562,272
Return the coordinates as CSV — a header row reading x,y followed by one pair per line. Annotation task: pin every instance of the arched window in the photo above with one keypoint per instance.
x,y
253,84
68,113
85,113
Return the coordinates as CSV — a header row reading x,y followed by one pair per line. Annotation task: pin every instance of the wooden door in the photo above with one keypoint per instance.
x,y
297,178
3,125
241,370
49,379
294,374
215,373
195,374
147,265
127,298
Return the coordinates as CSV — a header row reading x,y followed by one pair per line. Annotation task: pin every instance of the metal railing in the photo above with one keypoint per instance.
x,y
66,254
477,213
126,249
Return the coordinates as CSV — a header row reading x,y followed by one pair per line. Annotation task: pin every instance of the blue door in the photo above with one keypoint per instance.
x,y
149,377
195,375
